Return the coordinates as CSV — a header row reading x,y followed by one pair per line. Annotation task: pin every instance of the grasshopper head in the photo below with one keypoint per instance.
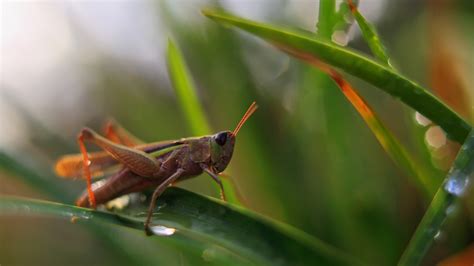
x,y
222,147
222,143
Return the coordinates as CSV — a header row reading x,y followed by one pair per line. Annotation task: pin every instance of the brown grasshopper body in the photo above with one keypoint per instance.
x,y
156,165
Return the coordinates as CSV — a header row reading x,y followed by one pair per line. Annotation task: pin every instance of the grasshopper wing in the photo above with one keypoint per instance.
x,y
70,166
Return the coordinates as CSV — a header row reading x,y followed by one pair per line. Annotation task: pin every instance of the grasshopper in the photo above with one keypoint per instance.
x,y
151,165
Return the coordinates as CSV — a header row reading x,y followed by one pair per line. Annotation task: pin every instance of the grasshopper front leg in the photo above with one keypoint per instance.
x,y
137,161
158,191
216,178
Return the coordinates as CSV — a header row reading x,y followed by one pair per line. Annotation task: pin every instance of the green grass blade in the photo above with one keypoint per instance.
x,y
327,10
389,143
449,196
190,103
370,35
352,62
250,236
31,178
186,92
47,187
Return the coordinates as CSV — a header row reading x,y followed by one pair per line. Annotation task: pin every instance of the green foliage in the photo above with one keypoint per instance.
x,y
187,96
371,37
305,159
186,93
382,77
452,196
255,239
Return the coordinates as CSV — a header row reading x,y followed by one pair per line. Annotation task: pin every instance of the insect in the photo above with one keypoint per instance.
x,y
134,166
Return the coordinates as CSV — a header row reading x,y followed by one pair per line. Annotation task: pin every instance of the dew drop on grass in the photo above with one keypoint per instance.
x,y
450,209
340,37
435,137
422,120
456,184
161,230
439,236
86,215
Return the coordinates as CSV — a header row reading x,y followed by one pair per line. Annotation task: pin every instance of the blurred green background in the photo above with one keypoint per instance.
x,y
306,157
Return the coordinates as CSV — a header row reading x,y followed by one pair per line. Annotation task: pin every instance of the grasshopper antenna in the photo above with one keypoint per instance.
x,y
246,116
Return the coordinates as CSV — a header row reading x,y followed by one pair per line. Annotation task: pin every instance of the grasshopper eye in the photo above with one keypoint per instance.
x,y
221,138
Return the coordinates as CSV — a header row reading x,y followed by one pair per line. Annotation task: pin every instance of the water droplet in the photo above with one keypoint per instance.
x,y
450,209
421,119
439,236
340,37
86,215
160,230
456,184
89,162
435,137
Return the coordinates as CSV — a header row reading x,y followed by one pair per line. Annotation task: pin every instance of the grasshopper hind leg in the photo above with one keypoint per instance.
x,y
137,161
86,170
117,134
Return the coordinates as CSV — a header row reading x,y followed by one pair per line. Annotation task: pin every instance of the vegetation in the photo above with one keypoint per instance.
x,y
309,184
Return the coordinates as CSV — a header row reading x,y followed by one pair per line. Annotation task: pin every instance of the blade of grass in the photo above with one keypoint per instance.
x,y
44,186
192,109
380,76
31,178
370,35
186,93
344,227
327,10
252,237
390,144
449,196
329,20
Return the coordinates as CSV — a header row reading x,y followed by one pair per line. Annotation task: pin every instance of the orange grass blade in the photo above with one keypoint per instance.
x,y
385,138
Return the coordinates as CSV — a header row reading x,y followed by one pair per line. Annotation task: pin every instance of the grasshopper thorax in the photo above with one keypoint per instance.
x,y
222,147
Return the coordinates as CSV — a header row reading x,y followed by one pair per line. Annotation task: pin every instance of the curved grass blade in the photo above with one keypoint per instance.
x,y
358,65
390,144
43,185
370,35
31,178
329,20
186,93
327,11
449,196
250,236
192,109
